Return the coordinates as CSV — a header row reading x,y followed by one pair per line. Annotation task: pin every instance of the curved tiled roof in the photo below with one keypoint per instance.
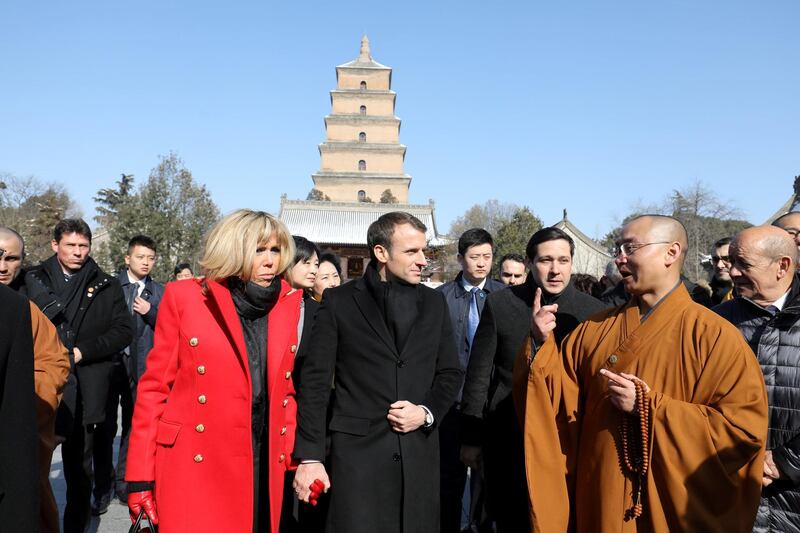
x,y
344,223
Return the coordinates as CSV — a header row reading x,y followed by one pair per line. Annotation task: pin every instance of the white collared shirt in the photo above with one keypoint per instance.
x,y
468,287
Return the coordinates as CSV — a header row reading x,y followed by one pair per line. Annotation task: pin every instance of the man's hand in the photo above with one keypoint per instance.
x,y
543,320
141,306
771,470
405,416
77,355
143,500
622,390
472,456
305,476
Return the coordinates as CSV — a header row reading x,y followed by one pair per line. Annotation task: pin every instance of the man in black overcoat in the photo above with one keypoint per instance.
x,y
19,490
88,309
490,432
385,342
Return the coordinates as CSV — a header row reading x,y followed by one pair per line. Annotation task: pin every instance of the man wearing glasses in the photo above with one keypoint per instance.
x,y
790,222
647,417
721,284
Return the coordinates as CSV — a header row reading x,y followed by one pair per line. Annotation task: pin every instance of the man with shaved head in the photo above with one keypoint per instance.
x,y
11,257
790,222
647,417
50,373
767,312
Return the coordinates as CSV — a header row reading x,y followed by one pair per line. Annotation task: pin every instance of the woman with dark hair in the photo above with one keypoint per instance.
x,y
329,274
215,416
302,273
183,271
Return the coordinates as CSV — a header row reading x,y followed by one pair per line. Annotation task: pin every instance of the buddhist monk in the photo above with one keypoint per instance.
x,y
648,417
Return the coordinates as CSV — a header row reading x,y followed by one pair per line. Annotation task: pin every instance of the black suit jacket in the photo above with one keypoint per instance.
x,y
19,491
380,479
102,329
505,323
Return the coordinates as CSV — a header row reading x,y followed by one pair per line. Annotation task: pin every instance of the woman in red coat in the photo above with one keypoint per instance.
x,y
214,422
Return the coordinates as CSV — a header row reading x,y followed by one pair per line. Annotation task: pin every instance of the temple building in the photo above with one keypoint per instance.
x,y
361,174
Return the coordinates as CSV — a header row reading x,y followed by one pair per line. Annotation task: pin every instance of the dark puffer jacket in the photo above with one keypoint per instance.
x,y
776,341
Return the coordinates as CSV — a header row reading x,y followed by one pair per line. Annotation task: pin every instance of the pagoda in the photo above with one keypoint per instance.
x,y
361,174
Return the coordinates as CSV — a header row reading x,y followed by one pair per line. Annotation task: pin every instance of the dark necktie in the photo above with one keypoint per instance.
x,y
131,291
474,316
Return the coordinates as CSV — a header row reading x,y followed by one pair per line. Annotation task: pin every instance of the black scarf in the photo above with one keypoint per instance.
x,y
69,292
397,301
253,304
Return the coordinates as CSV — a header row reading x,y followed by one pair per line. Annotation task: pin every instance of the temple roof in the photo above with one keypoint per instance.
x,y
792,204
345,223
590,257
364,59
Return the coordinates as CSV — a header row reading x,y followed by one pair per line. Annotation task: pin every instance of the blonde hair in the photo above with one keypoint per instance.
x,y
230,246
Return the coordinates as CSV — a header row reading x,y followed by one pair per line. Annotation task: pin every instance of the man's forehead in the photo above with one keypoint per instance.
x,y
790,221
11,245
635,230
74,237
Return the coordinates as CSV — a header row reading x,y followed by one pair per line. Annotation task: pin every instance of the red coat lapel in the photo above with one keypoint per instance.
x,y
282,331
225,312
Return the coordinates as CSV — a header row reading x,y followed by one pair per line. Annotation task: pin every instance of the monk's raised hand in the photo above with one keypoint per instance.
x,y
622,390
543,321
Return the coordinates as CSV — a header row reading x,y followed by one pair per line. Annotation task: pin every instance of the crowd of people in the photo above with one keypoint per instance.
x,y
264,394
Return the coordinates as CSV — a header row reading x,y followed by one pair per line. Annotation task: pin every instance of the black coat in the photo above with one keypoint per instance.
x,y
100,330
776,342
487,407
310,308
381,481
19,494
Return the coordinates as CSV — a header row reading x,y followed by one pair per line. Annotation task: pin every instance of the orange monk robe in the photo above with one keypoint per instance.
x,y
708,423
51,370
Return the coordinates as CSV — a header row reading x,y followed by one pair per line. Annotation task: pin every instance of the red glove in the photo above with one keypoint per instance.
x,y
316,489
143,500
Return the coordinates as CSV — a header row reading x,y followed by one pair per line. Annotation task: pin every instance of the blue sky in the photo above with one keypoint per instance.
x,y
585,105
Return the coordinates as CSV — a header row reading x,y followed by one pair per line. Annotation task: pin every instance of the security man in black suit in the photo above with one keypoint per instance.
x,y
385,342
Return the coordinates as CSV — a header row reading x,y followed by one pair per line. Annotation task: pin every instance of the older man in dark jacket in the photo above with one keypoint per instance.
x,y
88,309
767,312
491,432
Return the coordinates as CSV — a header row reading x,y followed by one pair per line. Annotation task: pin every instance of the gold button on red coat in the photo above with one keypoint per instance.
x,y
288,375
200,428
285,402
281,458
201,398
283,430
193,341
198,458
201,369
294,348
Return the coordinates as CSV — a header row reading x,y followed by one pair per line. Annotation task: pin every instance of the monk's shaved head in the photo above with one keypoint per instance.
x,y
650,252
665,228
